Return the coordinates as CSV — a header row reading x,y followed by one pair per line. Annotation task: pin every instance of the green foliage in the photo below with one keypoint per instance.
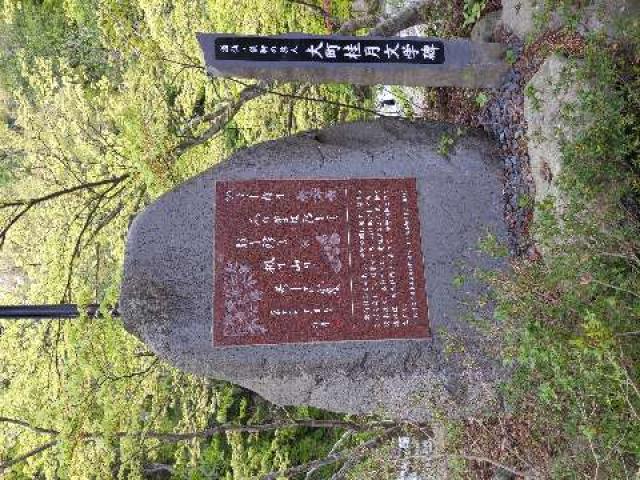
x,y
532,95
525,201
445,144
472,11
569,10
490,245
614,133
83,377
574,315
448,140
403,97
98,90
481,99
236,455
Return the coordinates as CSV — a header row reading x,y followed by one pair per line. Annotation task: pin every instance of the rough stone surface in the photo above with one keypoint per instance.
x,y
610,16
167,292
520,16
483,29
550,92
502,474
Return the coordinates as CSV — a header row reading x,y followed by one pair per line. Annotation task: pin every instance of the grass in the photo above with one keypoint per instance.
x,y
571,319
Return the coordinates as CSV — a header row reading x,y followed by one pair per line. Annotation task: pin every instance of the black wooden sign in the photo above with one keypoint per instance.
x,y
329,50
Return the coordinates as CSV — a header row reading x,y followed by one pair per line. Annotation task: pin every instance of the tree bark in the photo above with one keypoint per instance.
x,y
351,456
23,206
405,18
219,118
10,463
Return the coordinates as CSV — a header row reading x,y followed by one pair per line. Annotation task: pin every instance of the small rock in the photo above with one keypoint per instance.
x,y
484,28
520,17
533,254
502,474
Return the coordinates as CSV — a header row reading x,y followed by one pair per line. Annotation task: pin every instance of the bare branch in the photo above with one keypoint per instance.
x,y
131,375
511,470
337,446
10,463
329,20
87,223
22,423
312,6
627,334
106,220
405,18
218,119
357,452
66,295
313,99
157,468
144,354
22,207
349,455
385,27
16,216
351,26
59,193
345,468
225,428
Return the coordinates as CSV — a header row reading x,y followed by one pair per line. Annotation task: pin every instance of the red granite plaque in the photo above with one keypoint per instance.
x,y
318,260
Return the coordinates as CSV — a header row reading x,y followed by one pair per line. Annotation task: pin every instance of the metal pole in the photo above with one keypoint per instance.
x,y
63,310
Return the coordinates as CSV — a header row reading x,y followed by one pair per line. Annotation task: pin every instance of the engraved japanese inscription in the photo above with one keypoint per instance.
x,y
318,260
329,50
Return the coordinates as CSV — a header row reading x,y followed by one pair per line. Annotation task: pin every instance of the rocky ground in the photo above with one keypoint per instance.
x,y
503,114
503,118
500,113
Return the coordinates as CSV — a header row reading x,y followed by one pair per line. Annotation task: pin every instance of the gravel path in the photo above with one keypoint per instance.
x,y
503,118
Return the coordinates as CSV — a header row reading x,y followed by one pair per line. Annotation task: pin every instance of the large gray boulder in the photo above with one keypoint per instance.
x,y
168,287
551,95
526,18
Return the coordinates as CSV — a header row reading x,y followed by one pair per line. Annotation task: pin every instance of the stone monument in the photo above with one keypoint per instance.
x,y
321,269
357,60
